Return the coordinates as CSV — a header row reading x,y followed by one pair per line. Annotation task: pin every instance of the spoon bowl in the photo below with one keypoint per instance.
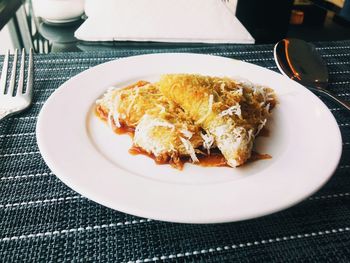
x,y
300,61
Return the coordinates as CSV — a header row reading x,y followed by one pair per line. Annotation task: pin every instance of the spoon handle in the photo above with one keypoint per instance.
x,y
345,104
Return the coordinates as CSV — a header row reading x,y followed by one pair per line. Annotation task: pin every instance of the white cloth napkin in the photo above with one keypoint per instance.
x,y
203,21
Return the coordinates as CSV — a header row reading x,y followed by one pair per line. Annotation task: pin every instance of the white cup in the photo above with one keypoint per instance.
x,y
58,11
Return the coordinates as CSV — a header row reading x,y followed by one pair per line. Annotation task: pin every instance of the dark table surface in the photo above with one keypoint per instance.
x,y
42,220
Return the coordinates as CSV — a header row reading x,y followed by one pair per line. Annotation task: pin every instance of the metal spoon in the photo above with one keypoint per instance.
x,y
300,61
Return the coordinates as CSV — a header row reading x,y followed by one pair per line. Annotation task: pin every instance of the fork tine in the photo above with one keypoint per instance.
x,y
21,73
4,73
29,87
13,74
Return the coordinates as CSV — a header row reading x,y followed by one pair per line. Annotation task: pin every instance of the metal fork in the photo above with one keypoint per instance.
x,y
13,100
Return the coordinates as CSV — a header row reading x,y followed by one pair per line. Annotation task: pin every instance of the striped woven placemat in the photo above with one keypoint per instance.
x,y
43,220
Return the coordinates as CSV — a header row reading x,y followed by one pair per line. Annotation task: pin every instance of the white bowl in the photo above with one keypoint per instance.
x,y
57,11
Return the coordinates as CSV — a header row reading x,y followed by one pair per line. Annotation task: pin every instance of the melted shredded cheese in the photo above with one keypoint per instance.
x,y
221,131
238,92
115,112
208,141
222,87
143,135
250,135
270,96
257,89
245,83
235,109
132,101
260,126
186,133
239,133
106,98
162,108
159,123
109,119
190,150
210,109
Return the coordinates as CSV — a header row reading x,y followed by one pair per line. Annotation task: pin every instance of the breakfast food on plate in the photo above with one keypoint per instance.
x,y
159,126
233,114
184,117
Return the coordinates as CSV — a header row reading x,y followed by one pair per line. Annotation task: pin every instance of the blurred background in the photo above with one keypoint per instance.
x,y
29,23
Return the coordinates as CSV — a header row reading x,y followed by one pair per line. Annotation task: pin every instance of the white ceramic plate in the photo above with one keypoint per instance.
x,y
305,144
